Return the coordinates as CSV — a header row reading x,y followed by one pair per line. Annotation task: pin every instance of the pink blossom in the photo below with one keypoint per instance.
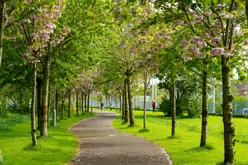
x,y
186,59
202,44
185,43
160,45
215,41
195,50
217,51
246,42
180,22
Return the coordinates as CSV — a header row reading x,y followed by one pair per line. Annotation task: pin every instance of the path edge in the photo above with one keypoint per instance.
x,y
78,144
163,150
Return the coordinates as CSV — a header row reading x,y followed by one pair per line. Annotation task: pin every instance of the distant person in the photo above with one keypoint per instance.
x,y
102,106
153,106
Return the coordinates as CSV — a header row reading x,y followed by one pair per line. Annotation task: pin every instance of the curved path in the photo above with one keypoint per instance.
x,y
101,144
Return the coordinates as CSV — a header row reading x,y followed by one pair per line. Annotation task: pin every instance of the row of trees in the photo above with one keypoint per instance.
x,y
112,47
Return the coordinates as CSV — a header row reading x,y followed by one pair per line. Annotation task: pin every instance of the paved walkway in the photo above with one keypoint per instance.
x,y
101,144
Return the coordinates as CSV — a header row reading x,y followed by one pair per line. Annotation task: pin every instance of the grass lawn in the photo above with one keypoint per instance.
x,y
184,148
57,149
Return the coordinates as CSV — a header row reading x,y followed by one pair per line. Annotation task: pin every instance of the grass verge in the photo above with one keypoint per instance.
x,y
184,148
57,149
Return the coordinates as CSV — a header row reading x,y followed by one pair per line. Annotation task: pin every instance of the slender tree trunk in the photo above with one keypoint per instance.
x,y
130,101
110,103
82,102
69,104
145,87
49,108
2,4
229,129
44,111
173,115
63,106
21,102
116,102
39,99
77,102
33,118
106,97
88,108
204,130
125,102
57,105
123,105
120,103
85,103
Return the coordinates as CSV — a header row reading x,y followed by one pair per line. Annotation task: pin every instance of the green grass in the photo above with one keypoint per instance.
x,y
184,149
57,149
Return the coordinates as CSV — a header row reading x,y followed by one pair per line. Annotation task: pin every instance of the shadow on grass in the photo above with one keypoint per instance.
x,y
44,137
199,149
173,137
149,116
32,148
144,130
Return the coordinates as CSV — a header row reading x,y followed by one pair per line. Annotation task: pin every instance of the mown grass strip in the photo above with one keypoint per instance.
x,y
57,149
184,149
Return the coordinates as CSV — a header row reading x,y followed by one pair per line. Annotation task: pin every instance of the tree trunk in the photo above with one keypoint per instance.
x,y
125,102
44,110
63,106
77,102
145,87
229,129
110,103
123,106
33,118
2,4
69,103
116,102
85,103
57,105
130,101
173,114
39,99
88,108
82,102
49,108
204,130
106,98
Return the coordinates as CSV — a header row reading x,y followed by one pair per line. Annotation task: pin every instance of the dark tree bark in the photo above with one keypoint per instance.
x,y
63,106
145,88
57,105
173,115
69,103
33,118
82,102
88,108
125,102
49,108
2,5
77,102
85,103
130,101
39,99
44,110
229,130
204,130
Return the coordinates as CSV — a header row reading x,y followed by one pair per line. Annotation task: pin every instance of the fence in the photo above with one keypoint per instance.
x,y
138,102
239,108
